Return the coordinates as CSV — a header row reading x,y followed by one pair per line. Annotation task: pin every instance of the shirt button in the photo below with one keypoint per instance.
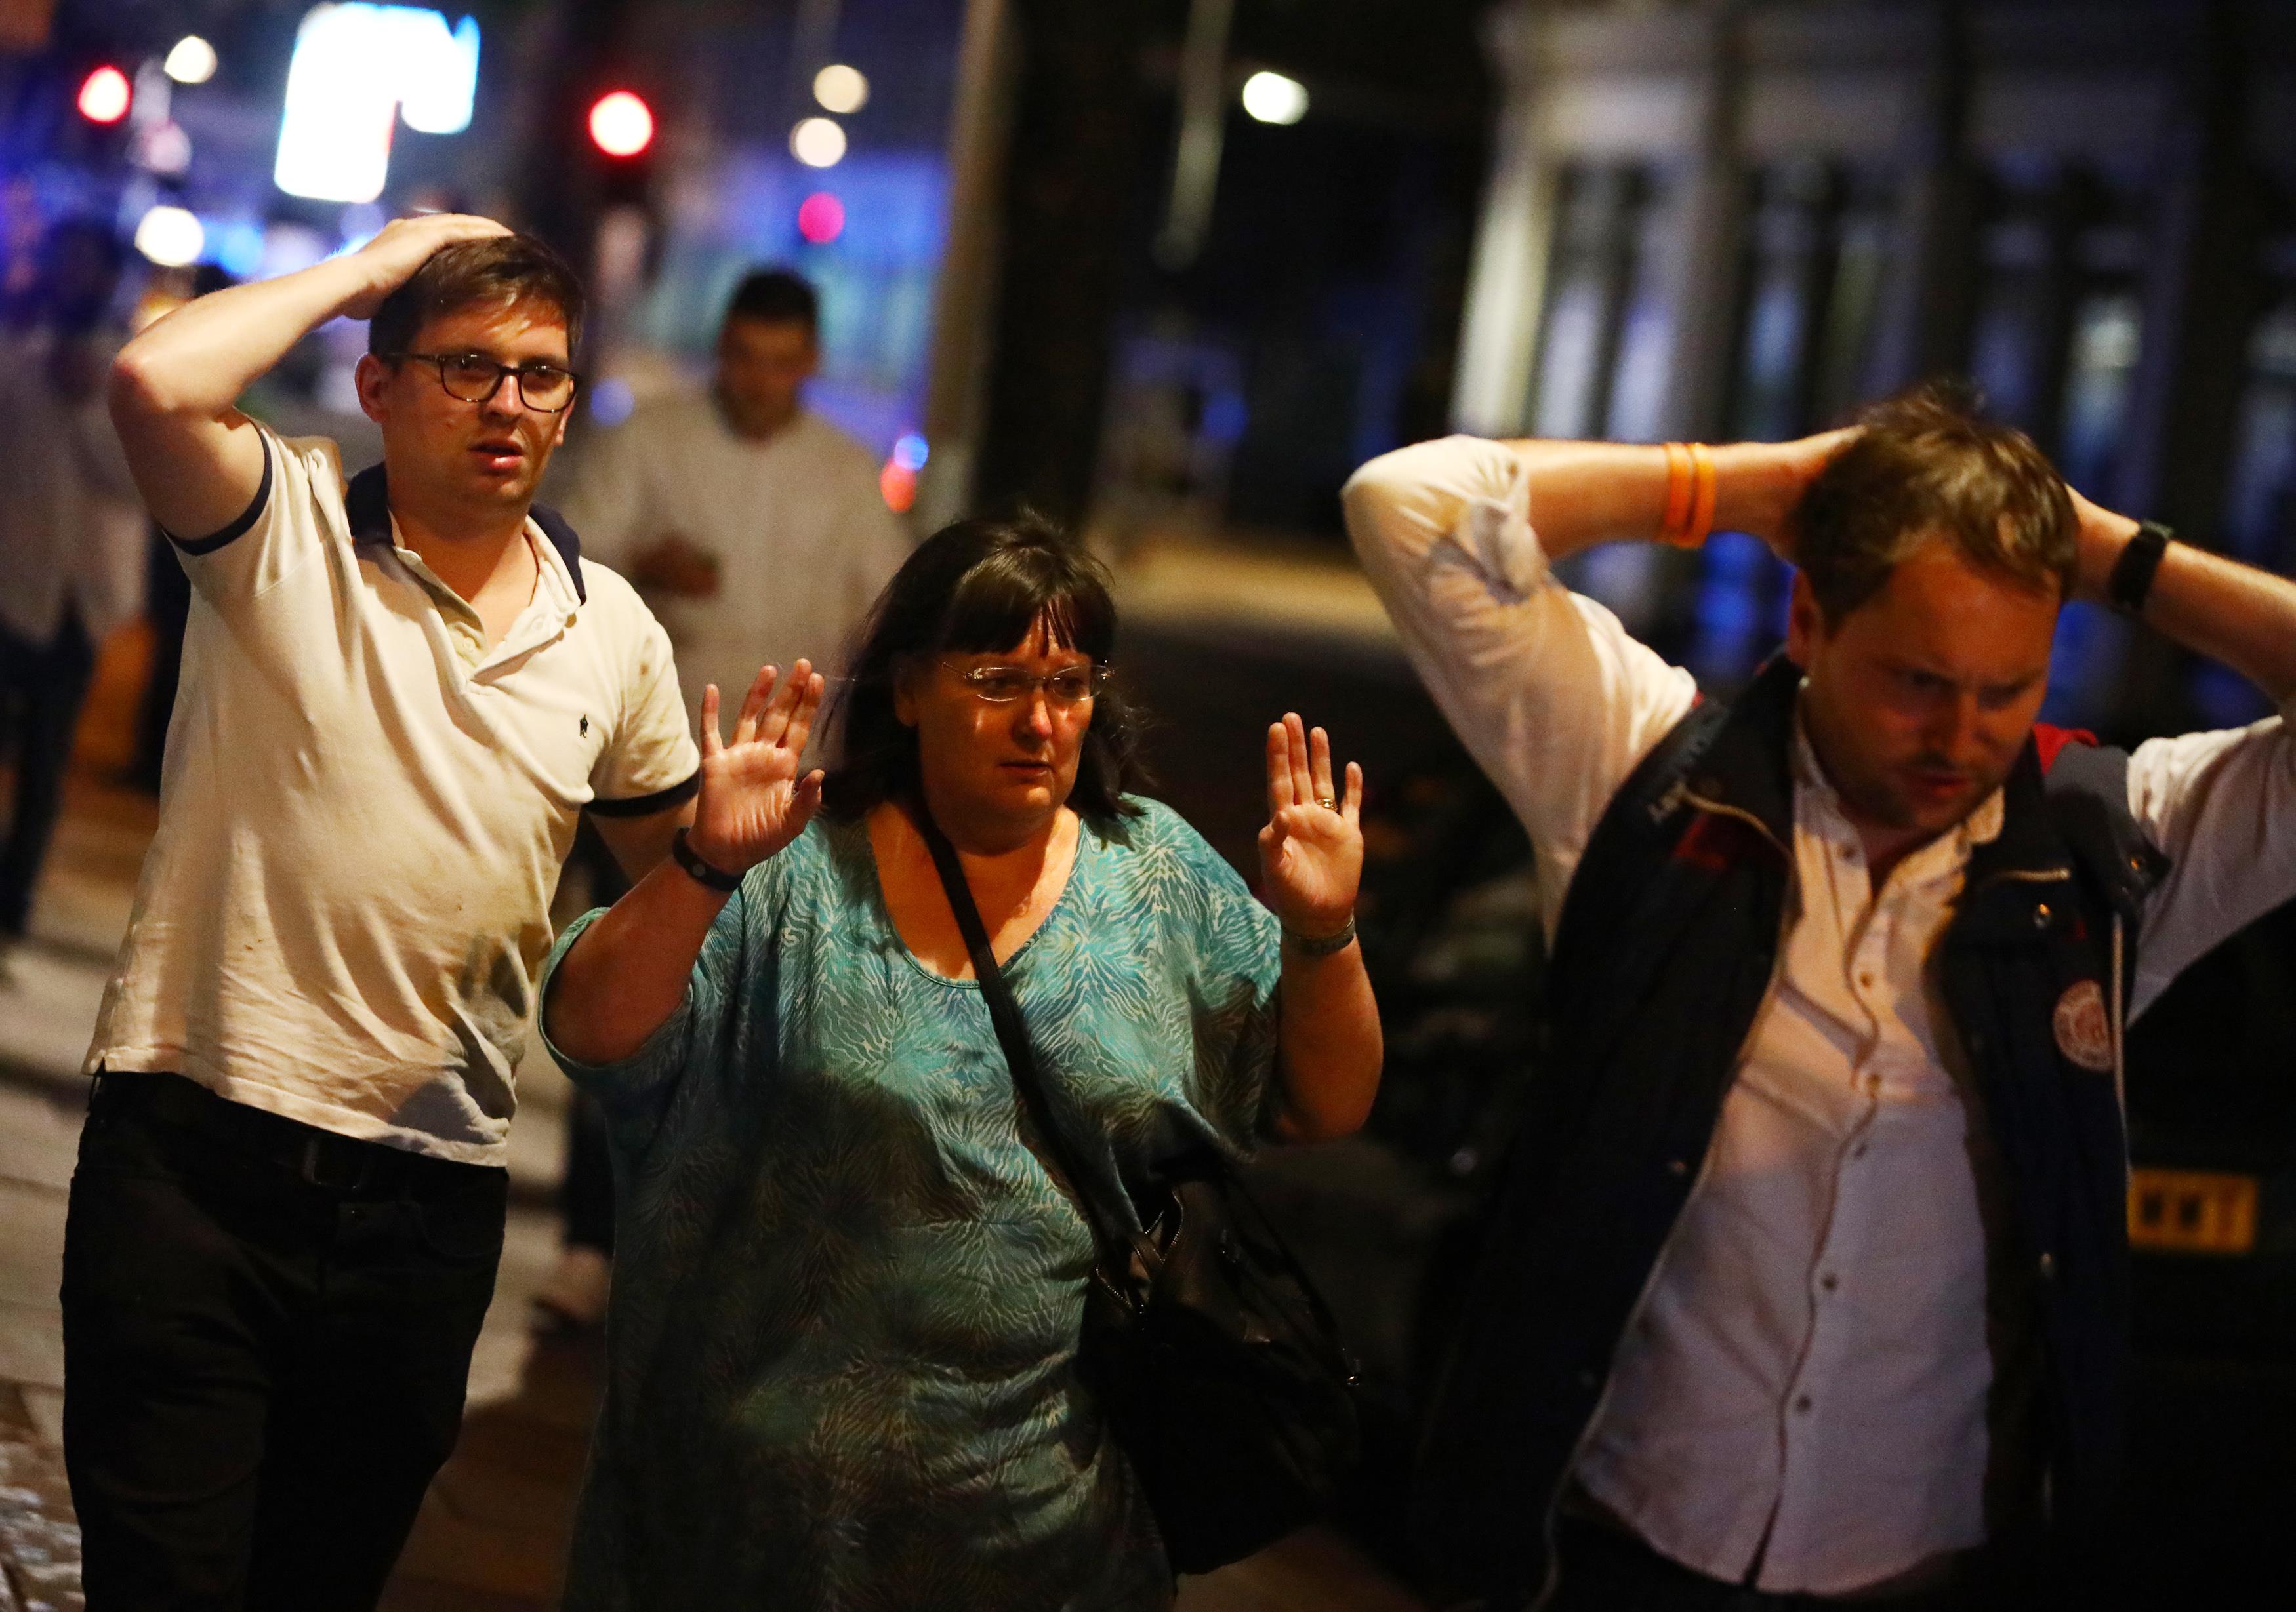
x,y
1801,1405
1829,1282
1858,1151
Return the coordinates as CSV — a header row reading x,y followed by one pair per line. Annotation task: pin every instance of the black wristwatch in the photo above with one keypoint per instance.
x,y
704,873
2132,573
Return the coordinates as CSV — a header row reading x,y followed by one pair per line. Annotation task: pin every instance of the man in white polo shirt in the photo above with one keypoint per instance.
x,y
400,692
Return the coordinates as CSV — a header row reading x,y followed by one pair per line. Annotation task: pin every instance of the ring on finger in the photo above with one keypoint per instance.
x,y
1327,803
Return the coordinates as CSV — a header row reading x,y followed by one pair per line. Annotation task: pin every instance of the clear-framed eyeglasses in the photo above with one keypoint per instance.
x,y
475,378
1004,684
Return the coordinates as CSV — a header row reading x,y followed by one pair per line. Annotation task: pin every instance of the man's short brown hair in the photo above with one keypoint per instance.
x,y
1928,465
502,271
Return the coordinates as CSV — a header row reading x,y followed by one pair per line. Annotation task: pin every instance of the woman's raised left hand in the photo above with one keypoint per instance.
x,y
1311,851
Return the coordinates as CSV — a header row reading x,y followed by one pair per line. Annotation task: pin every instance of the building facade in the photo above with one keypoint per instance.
x,y
1740,218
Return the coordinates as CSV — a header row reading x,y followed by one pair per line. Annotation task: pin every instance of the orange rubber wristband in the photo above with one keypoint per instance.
x,y
1701,506
1678,492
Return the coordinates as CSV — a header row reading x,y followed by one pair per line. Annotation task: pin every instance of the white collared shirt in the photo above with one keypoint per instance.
x,y
364,814
1806,1382
802,537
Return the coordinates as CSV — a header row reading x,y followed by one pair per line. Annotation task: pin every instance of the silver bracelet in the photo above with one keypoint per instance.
x,y
1321,946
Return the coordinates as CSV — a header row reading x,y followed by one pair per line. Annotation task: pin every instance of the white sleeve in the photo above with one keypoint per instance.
x,y
1545,687
2223,806
279,532
650,761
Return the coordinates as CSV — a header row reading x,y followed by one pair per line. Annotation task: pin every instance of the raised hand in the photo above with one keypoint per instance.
x,y
404,245
752,801
1311,851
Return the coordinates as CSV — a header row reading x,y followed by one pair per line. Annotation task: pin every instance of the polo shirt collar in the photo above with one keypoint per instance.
x,y
366,503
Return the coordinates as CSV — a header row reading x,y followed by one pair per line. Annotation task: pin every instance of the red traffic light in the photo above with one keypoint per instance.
x,y
621,123
104,95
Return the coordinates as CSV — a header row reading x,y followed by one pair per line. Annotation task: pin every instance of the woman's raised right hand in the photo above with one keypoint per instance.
x,y
753,801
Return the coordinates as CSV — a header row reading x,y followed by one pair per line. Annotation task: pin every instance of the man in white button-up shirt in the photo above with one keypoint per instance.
x,y
1840,1306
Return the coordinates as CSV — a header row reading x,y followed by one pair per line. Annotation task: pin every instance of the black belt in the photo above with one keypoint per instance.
x,y
318,1157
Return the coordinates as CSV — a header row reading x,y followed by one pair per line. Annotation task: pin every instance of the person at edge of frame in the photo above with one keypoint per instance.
x,y
1808,1277
400,692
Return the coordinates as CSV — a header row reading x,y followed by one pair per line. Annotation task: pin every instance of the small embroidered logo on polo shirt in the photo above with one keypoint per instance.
x,y
585,727
2083,1032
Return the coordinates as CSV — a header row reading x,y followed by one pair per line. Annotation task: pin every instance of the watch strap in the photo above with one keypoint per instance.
x,y
702,873
2133,572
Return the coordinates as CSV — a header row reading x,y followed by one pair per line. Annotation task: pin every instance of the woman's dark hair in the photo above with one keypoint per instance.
x,y
979,586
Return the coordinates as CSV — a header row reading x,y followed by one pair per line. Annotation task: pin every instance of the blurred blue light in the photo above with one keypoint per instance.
x,y
611,401
1225,414
237,247
911,451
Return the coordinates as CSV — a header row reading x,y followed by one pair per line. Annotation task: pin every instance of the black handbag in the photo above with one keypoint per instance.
x,y
1217,1363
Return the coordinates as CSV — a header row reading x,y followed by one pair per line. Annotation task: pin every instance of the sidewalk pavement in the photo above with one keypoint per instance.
x,y
492,1533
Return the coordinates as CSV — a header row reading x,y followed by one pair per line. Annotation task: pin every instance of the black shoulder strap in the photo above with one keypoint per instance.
x,y
1012,1034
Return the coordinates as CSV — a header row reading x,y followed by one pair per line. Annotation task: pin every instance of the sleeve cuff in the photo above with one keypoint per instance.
x,y
642,1063
1494,531
248,517
646,805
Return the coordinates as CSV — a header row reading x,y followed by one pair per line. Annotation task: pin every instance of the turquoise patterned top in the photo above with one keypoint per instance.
x,y
847,1298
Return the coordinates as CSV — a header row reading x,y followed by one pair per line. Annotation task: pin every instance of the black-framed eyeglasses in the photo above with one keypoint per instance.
x,y
1004,684
475,378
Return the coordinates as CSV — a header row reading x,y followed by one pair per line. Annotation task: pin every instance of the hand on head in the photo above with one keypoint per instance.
x,y
1311,851
1772,501
404,245
753,801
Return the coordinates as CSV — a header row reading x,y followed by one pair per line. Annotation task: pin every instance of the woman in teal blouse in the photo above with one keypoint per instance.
x,y
841,1349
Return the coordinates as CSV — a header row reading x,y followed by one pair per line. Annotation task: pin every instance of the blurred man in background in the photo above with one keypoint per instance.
x,y
71,535
755,531
753,526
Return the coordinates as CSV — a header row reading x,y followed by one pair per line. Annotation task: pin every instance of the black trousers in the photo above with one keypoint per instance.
x,y
1603,1570
42,685
267,1330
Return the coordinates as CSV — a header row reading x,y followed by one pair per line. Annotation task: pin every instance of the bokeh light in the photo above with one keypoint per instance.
x,y
840,89
821,218
621,123
172,236
104,95
1272,98
192,62
818,142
